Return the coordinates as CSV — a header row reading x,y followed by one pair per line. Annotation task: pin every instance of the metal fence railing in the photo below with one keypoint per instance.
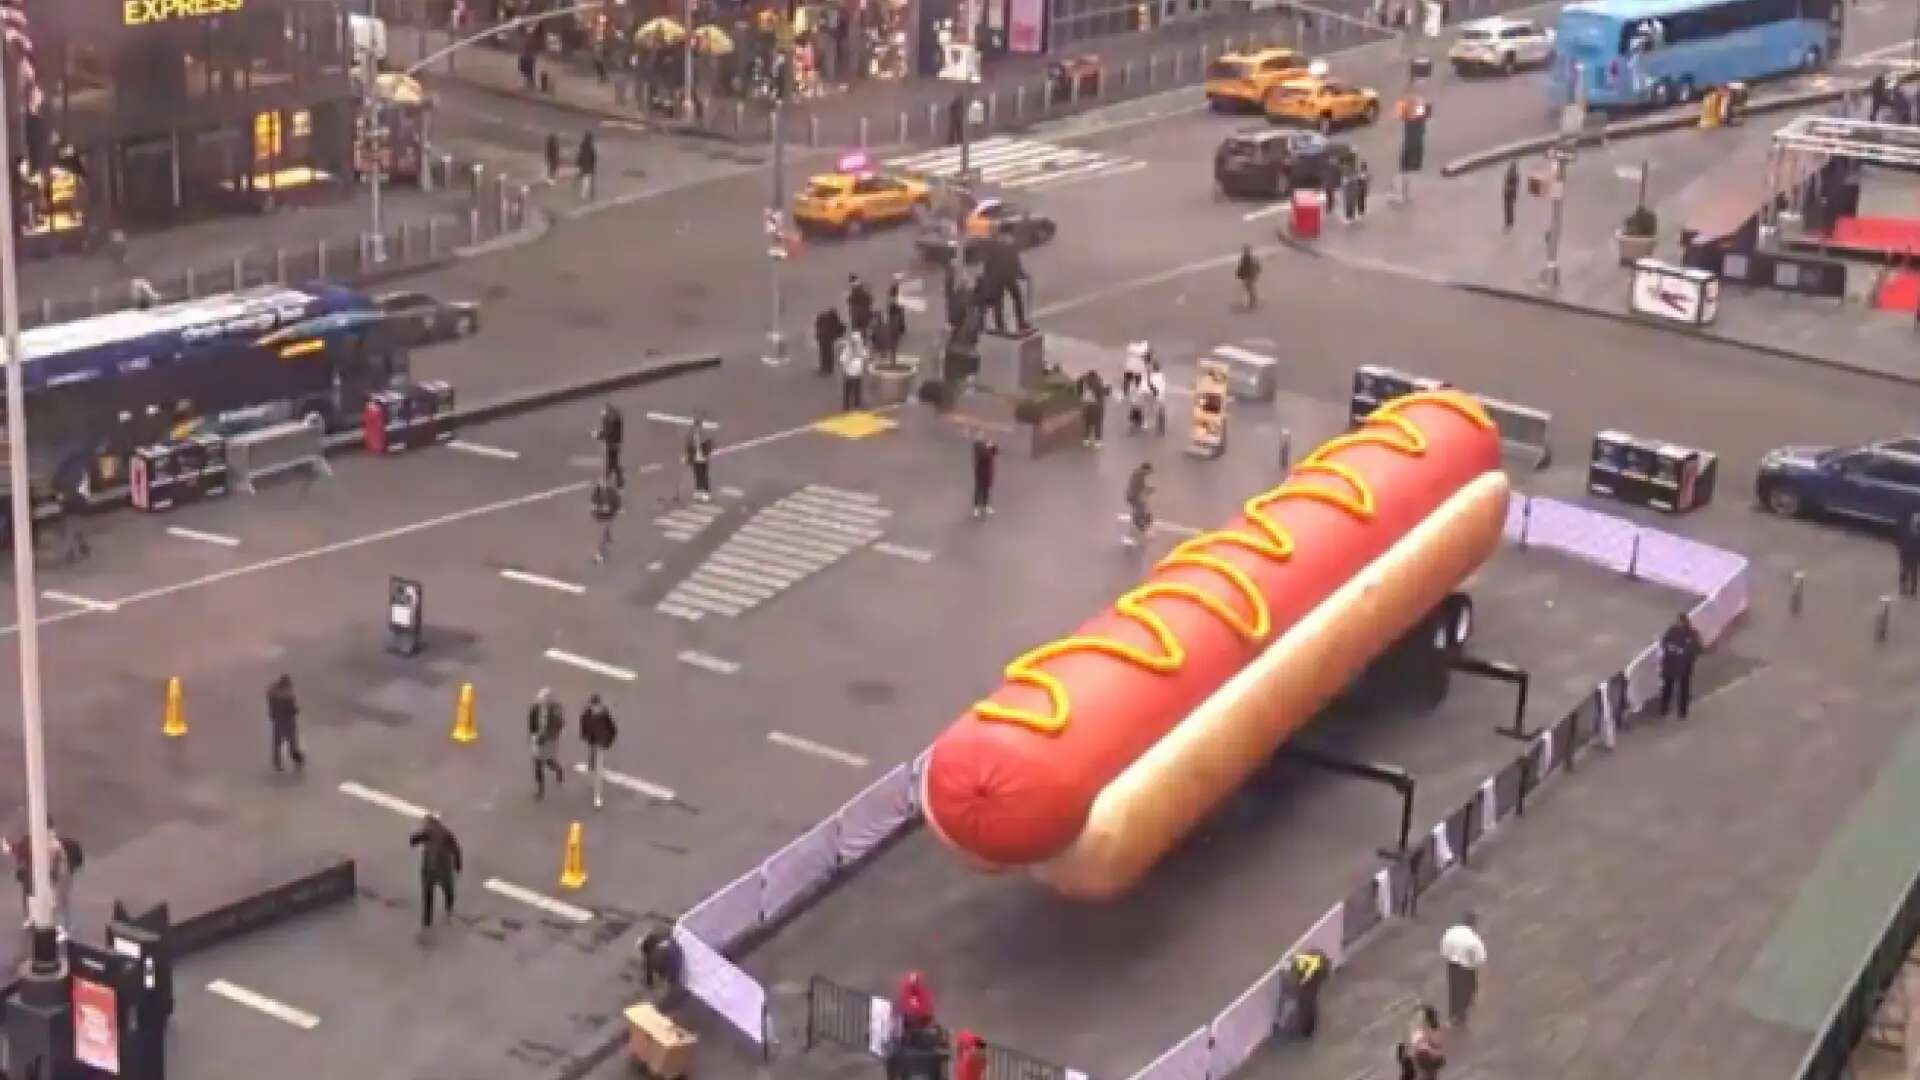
x,y
845,1017
1848,1019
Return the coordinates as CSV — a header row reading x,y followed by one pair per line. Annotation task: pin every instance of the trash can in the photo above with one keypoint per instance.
x,y
1308,208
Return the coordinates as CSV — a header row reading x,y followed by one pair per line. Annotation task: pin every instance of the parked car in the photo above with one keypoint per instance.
x,y
1321,103
1877,482
1270,163
990,219
418,319
1240,81
1502,45
849,202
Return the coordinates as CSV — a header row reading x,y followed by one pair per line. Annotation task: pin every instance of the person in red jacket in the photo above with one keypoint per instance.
x,y
913,1004
970,1061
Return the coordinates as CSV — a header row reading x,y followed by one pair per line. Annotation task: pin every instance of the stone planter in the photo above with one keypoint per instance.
x,y
1634,248
1058,425
890,385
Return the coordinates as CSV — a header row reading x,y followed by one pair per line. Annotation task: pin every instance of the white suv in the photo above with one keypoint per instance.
x,y
1502,45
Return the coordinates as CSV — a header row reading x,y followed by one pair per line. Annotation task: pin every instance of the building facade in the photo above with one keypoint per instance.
x,y
135,113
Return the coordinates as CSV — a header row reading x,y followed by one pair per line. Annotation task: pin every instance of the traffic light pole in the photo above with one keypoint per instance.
x,y
776,353
376,147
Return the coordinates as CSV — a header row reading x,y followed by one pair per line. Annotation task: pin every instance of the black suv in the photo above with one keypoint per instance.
x,y
1271,163
1877,482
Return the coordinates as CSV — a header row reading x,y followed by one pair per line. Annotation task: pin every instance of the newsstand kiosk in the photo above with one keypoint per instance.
x,y
1647,472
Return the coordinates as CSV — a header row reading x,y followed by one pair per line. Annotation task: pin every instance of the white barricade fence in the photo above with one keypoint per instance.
x,y
1722,605
1643,677
723,918
1582,533
869,818
1684,564
1187,1060
1242,1026
1516,527
1327,936
798,869
728,991
915,775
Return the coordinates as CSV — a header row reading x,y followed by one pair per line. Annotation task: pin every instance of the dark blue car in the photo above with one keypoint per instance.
x,y
1878,482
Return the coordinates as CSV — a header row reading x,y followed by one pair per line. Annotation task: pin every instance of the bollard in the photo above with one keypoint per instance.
x,y
473,225
813,131
1126,76
1020,101
520,210
739,117
464,730
1797,598
406,242
1180,56
863,133
433,236
477,178
192,293
446,171
1153,61
500,187
573,866
239,273
903,127
1883,622
46,311
280,265
320,260
94,297
992,109
933,120
175,724
1286,449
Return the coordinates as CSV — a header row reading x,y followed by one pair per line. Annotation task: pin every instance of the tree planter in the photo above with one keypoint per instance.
x,y
889,384
1043,427
1634,248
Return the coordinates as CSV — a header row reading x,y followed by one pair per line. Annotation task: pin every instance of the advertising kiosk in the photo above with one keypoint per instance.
x,y
1210,389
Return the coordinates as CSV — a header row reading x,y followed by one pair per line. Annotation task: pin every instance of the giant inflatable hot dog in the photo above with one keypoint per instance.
x,y
1102,750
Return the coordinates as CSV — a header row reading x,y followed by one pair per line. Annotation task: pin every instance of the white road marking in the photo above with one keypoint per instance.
x,y
203,537
1173,527
704,605
649,467
855,496
544,582
912,303
766,583
807,522
279,1010
677,535
545,903
667,607
713,595
853,511
1245,356
383,800
78,601
1099,170
919,555
589,664
772,554
732,493
1267,211
680,421
695,658
804,543
808,746
483,450
631,783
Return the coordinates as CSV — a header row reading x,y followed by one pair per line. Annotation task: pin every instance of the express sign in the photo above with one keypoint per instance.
x,y
147,12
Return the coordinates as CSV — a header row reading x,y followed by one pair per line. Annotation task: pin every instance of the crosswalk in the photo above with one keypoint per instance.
x,y
687,522
784,543
1023,164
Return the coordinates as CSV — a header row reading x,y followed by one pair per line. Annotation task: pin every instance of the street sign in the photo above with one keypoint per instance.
x,y
1630,173
960,63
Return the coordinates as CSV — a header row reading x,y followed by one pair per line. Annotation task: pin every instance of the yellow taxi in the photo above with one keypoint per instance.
x,y
1241,80
849,202
1321,102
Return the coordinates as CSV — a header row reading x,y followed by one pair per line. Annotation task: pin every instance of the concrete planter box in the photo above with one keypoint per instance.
x,y
1634,248
1057,426
890,385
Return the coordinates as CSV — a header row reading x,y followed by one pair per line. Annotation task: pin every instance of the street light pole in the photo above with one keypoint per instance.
x,y
46,970
776,220
377,242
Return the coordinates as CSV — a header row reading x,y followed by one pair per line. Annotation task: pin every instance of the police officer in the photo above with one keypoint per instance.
x,y
440,863
1907,543
699,454
1680,647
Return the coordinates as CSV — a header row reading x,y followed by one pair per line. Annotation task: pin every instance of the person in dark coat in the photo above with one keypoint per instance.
x,y
1247,273
553,158
1093,409
587,160
283,716
1680,647
1362,183
440,864
1907,543
604,503
828,329
984,453
859,305
1509,195
611,432
598,731
699,455
893,322
1003,276
546,721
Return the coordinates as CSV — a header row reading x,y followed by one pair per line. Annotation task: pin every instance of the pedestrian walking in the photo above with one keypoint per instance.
x,y
859,305
1330,186
1509,195
894,319
1247,273
1362,183
587,160
1680,647
611,432
1876,95
598,731
828,329
1907,543
699,456
984,454
546,722
1350,186
1156,382
1423,1053
1139,517
440,863
1093,408
553,158
1134,389
67,859
527,68
853,370
1465,955
604,502
283,718
970,1057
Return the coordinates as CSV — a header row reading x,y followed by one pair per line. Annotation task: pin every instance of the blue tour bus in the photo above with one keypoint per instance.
x,y
1655,52
98,388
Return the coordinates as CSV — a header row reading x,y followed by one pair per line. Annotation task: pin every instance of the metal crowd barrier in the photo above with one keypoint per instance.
x,y
859,1021
259,454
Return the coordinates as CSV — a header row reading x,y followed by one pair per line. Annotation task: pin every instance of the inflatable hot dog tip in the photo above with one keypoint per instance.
x,y
993,804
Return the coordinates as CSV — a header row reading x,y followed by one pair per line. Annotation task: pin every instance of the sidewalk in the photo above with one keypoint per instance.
x,y
877,113
1451,233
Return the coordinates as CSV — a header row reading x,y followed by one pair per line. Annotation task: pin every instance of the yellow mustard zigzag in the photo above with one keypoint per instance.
x,y
1386,427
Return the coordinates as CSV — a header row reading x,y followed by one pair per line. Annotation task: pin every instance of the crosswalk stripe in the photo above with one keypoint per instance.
x,y
806,543
678,611
945,153
855,496
1007,172
1112,168
702,581
1247,356
707,604
820,524
759,559
746,578
755,545
841,507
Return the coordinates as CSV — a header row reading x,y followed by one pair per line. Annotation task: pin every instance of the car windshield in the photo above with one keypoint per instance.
x,y
1476,35
1828,457
1294,90
818,190
1228,69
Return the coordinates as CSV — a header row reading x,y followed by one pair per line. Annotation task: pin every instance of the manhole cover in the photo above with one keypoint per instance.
x,y
871,692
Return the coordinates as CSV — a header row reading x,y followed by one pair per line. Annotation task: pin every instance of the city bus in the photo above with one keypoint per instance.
x,y
98,388
1655,52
